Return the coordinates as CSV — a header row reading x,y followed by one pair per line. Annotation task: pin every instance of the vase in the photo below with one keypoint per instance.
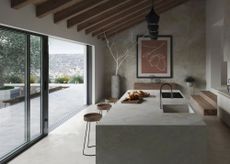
x,y
189,84
115,86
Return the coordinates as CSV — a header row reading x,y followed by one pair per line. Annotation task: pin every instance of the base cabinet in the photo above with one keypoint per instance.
x,y
223,102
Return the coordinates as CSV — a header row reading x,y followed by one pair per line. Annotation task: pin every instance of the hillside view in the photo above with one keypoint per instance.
x,y
66,65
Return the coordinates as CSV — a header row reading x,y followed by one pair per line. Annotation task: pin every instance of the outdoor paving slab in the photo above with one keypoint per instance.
x,y
12,118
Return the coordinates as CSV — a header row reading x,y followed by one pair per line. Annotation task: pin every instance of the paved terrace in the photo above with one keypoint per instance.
x,y
62,103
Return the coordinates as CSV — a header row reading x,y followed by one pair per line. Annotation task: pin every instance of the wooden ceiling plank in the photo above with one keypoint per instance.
x,y
128,14
76,9
119,23
106,15
118,17
125,19
93,12
121,28
51,6
132,4
115,31
118,30
16,4
171,4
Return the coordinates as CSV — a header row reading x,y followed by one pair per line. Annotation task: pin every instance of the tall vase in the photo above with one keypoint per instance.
x,y
115,86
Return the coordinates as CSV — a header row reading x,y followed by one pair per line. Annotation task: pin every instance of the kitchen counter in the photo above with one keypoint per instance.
x,y
224,92
144,134
149,112
223,97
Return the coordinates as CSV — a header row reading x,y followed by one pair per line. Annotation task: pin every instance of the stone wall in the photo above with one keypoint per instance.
x,y
186,23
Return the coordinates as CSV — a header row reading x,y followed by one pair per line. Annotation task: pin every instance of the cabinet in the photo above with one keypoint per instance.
x,y
223,102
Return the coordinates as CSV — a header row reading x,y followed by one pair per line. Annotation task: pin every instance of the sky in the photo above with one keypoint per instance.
x,y
58,46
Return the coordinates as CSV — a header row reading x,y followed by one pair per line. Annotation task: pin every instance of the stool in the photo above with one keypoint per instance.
x,y
103,107
89,118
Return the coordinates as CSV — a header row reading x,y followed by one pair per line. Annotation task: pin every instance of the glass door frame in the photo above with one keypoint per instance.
x,y
44,93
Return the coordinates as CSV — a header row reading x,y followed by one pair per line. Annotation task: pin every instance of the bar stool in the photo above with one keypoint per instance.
x,y
103,107
89,118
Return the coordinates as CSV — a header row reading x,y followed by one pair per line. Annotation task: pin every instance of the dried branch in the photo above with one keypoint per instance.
x,y
119,55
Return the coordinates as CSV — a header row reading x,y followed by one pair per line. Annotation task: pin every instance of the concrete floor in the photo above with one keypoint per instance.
x,y
64,144
61,104
218,141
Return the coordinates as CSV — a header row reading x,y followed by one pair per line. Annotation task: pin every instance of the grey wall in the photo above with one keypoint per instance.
x,y
186,23
25,18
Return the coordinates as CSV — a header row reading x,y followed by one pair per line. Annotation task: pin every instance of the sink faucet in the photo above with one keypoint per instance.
x,y
161,92
228,88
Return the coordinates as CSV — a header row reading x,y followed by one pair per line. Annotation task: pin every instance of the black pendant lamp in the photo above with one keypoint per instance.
x,y
152,20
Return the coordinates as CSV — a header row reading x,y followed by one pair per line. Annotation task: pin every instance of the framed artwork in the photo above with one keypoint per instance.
x,y
154,57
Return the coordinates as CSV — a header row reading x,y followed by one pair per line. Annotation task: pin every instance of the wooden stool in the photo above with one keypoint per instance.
x,y
103,107
89,118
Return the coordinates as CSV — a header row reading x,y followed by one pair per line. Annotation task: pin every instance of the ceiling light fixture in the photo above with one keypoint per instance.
x,y
152,20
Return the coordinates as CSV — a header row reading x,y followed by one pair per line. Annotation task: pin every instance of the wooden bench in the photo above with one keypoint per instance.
x,y
202,106
153,86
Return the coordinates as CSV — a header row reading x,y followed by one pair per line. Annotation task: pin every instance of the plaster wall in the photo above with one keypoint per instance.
x,y
186,23
26,19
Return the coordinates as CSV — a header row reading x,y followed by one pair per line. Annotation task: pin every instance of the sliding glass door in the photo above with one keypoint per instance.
x,y
35,85
21,90
13,54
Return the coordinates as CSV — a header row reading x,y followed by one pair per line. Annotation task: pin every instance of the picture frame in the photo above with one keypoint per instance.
x,y
154,57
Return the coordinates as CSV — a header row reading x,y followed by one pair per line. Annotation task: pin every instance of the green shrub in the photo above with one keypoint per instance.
x,y
62,79
76,79
33,79
14,79
6,87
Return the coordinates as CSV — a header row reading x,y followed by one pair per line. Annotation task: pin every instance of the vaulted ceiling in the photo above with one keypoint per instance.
x,y
97,17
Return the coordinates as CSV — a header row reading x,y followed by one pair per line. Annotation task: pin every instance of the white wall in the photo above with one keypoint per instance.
x,y
26,19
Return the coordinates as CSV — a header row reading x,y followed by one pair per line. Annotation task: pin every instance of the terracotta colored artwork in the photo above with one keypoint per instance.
x,y
154,58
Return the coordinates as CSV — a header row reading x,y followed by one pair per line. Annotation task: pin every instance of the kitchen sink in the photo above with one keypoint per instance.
x,y
177,108
168,95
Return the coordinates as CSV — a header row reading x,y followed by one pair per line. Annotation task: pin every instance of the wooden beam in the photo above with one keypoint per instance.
x,y
117,10
131,18
76,9
113,23
93,12
115,30
51,6
16,4
170,4
122,28
123,15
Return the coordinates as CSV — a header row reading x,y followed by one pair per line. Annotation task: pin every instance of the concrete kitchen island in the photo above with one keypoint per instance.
x,y
144,134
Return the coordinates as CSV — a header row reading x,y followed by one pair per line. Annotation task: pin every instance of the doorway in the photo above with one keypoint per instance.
x,y
67,80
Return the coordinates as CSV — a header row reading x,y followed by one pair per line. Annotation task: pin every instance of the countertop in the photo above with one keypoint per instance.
x,y
148,113
223,90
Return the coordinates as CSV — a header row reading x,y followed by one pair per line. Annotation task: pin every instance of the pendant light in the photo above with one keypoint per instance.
x,y
152,20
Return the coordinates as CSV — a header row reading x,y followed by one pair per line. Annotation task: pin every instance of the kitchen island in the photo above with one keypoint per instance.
x,y
145,134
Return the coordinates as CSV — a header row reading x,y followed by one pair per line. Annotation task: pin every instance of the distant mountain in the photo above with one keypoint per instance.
x,y
66,64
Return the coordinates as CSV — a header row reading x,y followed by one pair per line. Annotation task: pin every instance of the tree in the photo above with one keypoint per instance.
x,y
13,48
